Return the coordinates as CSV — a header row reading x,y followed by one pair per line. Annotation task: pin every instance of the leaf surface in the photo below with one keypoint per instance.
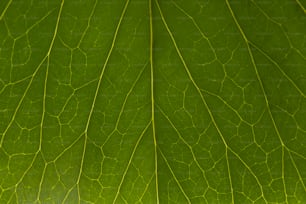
x,y
154,101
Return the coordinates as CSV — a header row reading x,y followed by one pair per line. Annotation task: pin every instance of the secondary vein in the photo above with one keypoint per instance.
x,y
152,97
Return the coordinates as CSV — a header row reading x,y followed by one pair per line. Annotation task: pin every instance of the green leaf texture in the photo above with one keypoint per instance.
x,y
152,101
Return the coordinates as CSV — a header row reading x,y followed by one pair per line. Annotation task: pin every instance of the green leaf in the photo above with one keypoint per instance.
x,y
158,101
